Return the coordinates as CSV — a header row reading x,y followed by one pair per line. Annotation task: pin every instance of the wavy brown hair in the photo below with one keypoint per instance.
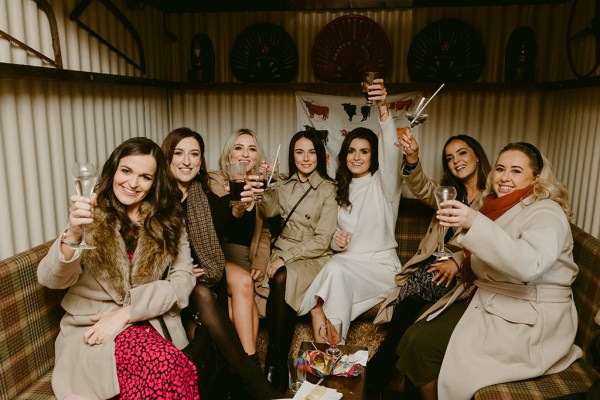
x,y
162,210
483,166
343,176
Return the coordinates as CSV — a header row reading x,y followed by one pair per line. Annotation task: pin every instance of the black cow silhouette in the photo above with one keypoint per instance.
x,y
366,112
322,133
350,110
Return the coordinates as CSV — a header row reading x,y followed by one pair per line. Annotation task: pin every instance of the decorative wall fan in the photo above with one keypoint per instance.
x,y
447,50
583,38
264,52
348,46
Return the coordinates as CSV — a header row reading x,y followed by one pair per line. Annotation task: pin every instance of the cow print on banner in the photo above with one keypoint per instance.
x,y
334,116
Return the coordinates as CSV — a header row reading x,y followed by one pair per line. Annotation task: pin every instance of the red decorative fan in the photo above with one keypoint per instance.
x,y
348,46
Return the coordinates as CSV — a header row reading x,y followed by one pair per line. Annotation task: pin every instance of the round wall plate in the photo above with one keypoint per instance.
x,y
348,46
447,50
264,52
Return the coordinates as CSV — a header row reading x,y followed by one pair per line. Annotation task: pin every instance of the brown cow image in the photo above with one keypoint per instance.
x,y
316,110
400,105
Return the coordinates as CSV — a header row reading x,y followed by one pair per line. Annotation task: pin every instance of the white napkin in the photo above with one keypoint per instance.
x,y
360,357
306,387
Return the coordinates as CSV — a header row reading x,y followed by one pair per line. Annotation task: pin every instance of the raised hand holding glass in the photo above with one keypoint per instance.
x,y
443,193
85,176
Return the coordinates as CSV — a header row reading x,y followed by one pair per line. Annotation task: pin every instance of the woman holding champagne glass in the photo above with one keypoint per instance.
x,y
139,274
424,279
516,318
362,272
306,203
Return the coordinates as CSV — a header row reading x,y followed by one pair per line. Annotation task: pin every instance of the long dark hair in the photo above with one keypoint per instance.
x,y
343,176
173,139
319,148
161,205
483,166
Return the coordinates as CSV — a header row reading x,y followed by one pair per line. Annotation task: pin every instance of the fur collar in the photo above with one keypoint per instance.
x,y
109,262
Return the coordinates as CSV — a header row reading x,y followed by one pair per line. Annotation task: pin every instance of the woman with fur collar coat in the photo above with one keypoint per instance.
x,y
111,341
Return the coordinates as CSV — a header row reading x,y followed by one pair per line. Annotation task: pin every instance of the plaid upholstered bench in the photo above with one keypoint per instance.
x,y
29,319
30,316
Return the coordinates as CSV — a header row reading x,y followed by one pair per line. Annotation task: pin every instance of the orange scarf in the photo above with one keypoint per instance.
x,y
493,208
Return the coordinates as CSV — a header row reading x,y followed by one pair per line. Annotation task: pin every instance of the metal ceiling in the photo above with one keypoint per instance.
x,y
189,6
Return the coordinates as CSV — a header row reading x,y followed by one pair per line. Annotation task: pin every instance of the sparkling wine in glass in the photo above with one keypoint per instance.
x,y
367,80
85,176
443,193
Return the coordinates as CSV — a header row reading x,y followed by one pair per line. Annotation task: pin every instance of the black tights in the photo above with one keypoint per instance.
x,y
281,318
225,338
382,365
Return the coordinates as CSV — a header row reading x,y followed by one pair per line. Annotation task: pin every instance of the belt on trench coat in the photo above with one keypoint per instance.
x,y
542,293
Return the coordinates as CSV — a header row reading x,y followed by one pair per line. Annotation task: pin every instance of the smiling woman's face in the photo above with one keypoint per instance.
x,y
305,157
244,151
461,160
133,180
512,172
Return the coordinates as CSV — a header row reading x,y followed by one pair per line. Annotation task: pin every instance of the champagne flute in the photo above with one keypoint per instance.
x,y
443,193
85,175
367,80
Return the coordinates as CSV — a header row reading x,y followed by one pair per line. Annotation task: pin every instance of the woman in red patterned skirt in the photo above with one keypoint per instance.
x,y
126,294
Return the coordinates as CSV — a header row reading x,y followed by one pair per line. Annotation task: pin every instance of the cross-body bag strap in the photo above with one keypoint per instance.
x,y
274,239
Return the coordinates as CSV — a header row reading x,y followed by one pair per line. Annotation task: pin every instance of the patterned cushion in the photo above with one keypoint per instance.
x,y
575,379
579,376
29,324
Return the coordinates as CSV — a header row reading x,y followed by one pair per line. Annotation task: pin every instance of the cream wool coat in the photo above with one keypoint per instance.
x,y
304,242
422,188
521,322
101,280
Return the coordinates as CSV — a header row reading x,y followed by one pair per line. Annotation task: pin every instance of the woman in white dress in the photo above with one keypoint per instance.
x,y
362,273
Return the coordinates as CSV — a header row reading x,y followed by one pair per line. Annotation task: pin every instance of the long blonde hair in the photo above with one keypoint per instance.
x,y
547,186
230,142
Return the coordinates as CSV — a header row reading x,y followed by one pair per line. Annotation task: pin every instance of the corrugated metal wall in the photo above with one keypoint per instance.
x,y
44,126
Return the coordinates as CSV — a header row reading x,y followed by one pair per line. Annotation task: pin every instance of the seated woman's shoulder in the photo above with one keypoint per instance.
x,y
218,183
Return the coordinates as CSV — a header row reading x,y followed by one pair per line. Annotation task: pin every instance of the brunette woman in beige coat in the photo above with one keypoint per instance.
x,y
424,279
140,270
521,321
302,248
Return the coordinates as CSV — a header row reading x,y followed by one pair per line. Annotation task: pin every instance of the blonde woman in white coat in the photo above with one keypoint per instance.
x,y
521,321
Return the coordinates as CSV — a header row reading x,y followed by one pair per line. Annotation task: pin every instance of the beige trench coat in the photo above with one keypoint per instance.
x,y
260,247
422,187
304,242
90,370
521,322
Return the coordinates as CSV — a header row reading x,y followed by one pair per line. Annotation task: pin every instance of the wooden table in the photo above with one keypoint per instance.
x,y
352,388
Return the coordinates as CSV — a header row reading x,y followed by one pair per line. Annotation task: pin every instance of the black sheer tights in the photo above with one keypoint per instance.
x,y
211,316
281,318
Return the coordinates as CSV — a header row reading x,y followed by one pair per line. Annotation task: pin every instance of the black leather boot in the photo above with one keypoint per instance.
x,y
276,369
